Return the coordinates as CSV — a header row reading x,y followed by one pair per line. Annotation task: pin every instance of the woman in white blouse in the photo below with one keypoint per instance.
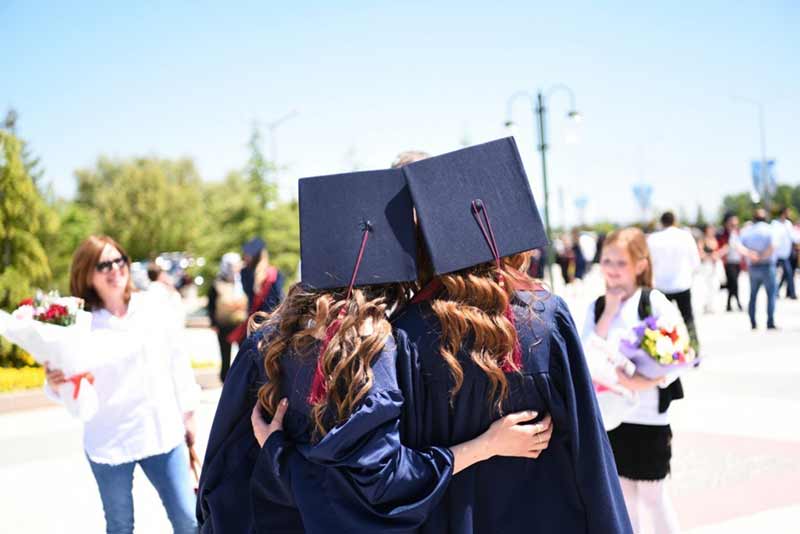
x,y
642,443
146,390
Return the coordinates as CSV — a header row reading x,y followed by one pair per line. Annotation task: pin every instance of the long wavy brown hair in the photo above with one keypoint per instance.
x,y
300,323
473,306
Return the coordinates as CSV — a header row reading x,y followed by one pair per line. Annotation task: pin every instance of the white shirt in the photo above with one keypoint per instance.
x,y
733,248
785,238
675,259
646,413
144,387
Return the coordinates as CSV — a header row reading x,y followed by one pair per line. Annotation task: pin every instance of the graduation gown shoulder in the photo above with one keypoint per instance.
x,y
572,487
223,499
358,478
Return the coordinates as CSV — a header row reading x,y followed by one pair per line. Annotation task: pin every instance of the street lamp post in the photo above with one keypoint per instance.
x,y
538,106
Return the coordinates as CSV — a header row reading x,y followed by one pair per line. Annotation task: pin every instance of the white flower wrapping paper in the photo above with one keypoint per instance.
x,y
615,401
69,348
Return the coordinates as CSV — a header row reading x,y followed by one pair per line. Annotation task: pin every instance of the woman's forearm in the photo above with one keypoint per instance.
x,y
468,453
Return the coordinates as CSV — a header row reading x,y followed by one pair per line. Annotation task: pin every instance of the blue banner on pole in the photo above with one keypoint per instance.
x,y
764,182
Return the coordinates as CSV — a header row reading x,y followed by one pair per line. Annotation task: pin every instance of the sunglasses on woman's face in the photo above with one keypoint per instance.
x,y
106,266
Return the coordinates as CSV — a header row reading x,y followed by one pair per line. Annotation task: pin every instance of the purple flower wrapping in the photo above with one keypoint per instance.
x,y
639,331
646,365
649,367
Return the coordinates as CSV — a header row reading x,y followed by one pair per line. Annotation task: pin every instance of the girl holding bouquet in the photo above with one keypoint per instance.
x,y
642,444
145,387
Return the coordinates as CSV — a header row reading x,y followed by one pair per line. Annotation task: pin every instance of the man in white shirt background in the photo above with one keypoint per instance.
x,y
760,239
785,239
675,259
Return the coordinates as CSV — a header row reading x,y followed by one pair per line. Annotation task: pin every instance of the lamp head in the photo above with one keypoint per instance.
x,y
575,116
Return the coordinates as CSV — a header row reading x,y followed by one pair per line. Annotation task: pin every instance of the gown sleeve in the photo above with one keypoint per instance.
x,y
590,452
223,497
359,477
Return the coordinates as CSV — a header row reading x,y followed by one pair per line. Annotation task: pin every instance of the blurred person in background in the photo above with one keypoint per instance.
x,y
793,259
562,245
588,244
708,248
733,254
538,263
578,256
162,284
760,240
146,391
675,260
601,238
227,305
262,283
785,246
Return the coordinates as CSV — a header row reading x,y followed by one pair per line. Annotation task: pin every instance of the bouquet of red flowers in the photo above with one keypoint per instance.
x,y
51,309
56,329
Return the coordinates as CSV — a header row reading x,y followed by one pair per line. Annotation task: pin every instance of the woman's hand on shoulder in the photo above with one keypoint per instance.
x,y
510,436
263,430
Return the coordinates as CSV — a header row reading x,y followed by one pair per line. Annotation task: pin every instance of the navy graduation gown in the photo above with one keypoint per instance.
x,y
572,487
223,499
359,478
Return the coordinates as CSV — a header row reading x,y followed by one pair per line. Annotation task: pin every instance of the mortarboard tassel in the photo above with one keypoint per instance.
x,y
428,292
319,387
479,212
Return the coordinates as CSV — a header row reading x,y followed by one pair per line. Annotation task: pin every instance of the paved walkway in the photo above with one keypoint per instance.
x,y
737,442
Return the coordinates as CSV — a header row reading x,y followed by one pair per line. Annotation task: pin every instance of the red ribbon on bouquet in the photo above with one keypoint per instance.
x,y
76,382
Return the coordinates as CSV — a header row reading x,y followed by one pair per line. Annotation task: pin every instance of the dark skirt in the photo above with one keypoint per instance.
x,y
642,452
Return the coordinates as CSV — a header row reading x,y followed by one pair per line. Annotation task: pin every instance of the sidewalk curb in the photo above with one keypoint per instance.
x,y
32,399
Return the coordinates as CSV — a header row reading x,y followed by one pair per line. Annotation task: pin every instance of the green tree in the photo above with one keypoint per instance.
x,y
700,219
740,204
32,163
783,198
23,262
259,172
76,223
149,205
234,214
245,205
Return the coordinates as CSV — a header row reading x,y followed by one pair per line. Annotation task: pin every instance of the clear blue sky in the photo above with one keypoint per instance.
x,y
368,79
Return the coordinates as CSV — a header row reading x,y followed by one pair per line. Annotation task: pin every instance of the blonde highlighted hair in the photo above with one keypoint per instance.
x,y
634,242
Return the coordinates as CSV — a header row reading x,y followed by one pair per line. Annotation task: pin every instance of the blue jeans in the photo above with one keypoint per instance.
x,y
763,274
788,277
168,472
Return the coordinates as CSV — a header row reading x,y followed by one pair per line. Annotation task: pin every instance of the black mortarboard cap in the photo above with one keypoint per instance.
x,y
253,247
491,175
334,213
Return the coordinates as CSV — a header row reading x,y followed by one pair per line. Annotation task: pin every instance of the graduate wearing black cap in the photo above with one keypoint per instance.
x,y
262,283
482,339
338,463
